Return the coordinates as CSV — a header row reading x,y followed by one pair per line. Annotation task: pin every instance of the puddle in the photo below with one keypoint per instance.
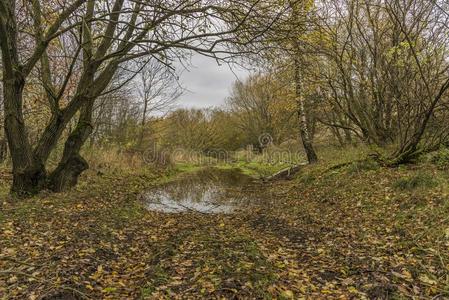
x,y
210,191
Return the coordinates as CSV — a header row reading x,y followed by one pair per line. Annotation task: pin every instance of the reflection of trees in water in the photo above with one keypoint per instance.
x,y
209,185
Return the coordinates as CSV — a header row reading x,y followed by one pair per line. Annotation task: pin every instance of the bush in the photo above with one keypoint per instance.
x,y
420,180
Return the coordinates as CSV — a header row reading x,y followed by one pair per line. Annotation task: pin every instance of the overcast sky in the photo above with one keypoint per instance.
x,y
207,84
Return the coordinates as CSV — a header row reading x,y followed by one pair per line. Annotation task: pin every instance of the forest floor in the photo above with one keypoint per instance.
x,y
350,232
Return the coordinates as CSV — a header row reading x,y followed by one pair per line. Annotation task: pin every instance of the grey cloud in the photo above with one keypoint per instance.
x,y
207,83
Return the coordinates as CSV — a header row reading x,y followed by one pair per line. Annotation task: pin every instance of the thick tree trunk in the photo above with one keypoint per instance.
x,y
55,128
72,164
68,171
303,116
28,173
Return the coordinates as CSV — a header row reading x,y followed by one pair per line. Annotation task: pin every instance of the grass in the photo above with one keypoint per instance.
x,y
262,165
342,228
396,210
441,158
187,167
420,180
362,166
253,168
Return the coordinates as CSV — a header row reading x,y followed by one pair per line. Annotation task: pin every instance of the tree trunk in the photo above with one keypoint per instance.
x,y
336,133
28,173
72,164
303,116
56,126
3,150
410,149
143,123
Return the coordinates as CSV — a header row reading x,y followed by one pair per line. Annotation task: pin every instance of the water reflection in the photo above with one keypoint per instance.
x,y
206,191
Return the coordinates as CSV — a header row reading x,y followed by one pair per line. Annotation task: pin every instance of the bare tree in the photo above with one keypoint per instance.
x,y
385,72
252,102
106,34
158,90
429,52
115,110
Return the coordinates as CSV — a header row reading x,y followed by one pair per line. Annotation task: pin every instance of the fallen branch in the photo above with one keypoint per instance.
x,y
285,173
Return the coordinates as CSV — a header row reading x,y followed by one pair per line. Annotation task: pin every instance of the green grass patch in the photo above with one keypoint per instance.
x,y
186,167
362,166
418,181
253,168
126,213
441,158
306,178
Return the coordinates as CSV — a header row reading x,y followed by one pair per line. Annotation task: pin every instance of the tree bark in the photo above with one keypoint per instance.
x,y
72,164
28,174
302,115
3,150
56,126
144,116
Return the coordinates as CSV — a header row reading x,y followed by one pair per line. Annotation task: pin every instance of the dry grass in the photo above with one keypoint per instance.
x,y
113,159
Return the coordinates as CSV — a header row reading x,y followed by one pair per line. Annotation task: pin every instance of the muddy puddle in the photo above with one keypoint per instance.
x,y
209,191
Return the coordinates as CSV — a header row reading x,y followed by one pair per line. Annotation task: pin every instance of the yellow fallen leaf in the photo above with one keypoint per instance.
x,y
287,294
446,233
425,279
407,274
12,279
108,290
